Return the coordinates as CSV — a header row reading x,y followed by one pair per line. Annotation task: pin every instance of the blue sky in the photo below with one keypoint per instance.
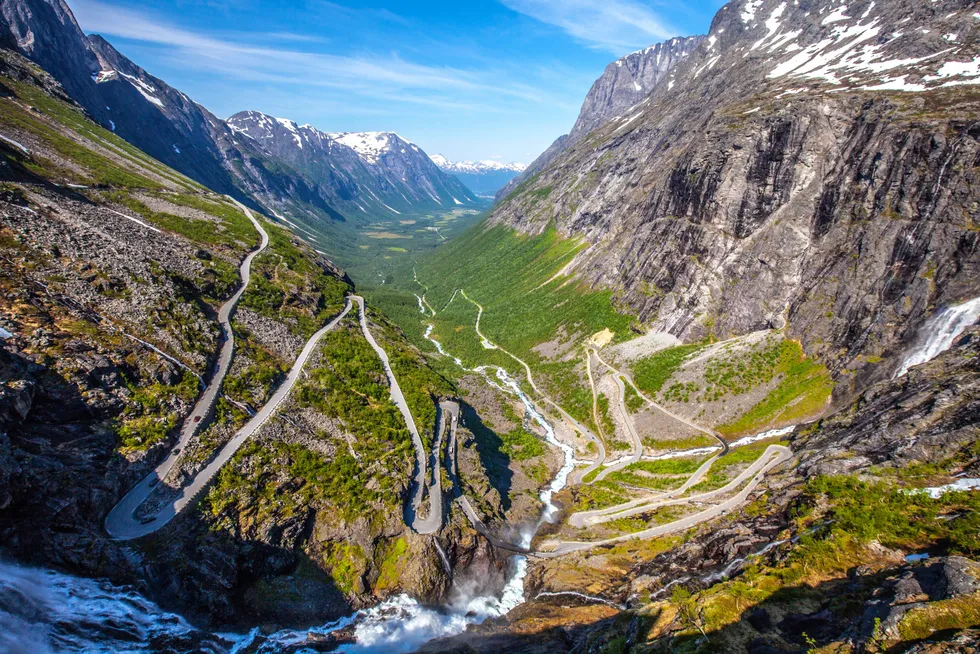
x,y
471,79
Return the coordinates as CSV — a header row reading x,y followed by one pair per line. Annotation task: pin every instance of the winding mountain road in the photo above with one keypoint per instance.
x,y
772,457
433,520
120,523
637,452
648,400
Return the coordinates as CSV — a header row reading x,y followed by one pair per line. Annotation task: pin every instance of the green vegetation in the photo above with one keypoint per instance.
x,y
804,390
681,392
390,562
288,285
537,471
520,445
652,372
149,416
46,108
607,424
509,274
346,564
685,466
254,384
686,443
657,475
350,385
599,495
421,385
900,518
563,383
99,170
850,514
632,399
363,478
233,229
734,374
252,484
722,469
946,615
643,481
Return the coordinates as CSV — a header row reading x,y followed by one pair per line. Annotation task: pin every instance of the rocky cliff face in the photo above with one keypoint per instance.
x,y
625,82
628,80
811,165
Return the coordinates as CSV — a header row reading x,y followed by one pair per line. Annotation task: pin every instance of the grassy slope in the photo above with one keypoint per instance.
x,y
507,274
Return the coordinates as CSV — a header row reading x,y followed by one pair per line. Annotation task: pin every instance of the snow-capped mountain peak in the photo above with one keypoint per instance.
x,y
475,167
370,146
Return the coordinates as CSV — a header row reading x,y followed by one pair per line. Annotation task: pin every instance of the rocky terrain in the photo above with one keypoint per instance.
x,y
808,565
783,208
113,267
782,174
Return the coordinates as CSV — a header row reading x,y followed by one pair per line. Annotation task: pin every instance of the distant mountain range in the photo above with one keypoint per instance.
x,y
483,177
320,179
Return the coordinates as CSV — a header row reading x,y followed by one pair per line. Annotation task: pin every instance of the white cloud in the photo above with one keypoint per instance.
x,y
377,76
614,25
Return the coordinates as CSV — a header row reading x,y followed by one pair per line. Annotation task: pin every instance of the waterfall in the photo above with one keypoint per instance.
x,y
445,559
939,332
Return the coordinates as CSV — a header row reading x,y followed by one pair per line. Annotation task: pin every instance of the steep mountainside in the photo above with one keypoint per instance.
x,y
483,177
625,82
372,173
806,165
628,80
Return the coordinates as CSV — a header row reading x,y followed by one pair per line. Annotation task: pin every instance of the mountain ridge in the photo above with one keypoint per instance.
x,y
373,173
734,175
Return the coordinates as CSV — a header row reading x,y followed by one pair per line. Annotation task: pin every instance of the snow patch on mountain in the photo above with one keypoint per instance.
x,y
370,146
146,90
